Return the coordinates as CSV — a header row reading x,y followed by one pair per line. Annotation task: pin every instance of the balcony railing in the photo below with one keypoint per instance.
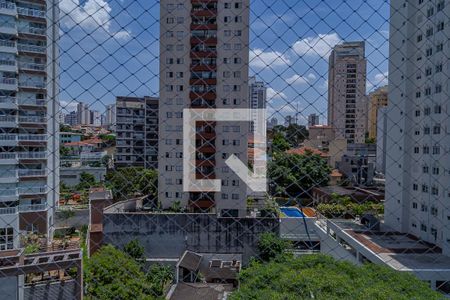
x,y
7,100
32,119
29,172
11,155
8,25
7,62
32,66
32,84
32,30
7,5
32,190
32,137
9,192
8,210
32,155
7,43
30,12
31,48
33,102
9,119
32,207
10,81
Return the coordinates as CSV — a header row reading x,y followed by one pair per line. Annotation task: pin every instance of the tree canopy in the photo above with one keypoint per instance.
x,y
293,175
126,182
271,246
112,274
321,277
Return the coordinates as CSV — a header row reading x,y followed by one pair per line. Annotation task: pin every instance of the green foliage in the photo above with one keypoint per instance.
x,y
176,207
271,246
279,143
66,214
296,134
293,175
63,151
126,182
321,277
160,277
31,248
112,274
344,207
134,249
86,181
65,128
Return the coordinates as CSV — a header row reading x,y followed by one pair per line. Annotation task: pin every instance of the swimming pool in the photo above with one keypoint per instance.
x,y
292,212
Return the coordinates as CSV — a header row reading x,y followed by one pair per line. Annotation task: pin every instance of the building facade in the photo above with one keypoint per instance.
x,y
257,97
313,120
110,117
204,64
71,118
29,124
377,100
347,101
417,160
83,114
137,132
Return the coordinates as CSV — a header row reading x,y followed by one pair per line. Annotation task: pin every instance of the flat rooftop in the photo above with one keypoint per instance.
x,y
400,251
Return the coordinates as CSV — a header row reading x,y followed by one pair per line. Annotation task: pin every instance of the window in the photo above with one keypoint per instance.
x,y
437,109
414,205
238,5
438,88
235,196
227,5
436,150
440,26
415,187
440,6
227,32
169,34
6,238
169,20
180,20
439,68
429,32
440,47
430,12
427,111
419,38
435,171
429,52
437,129
238,33
423,227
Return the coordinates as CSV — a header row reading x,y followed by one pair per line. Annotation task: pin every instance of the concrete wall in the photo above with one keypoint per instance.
x,y
9,287
71,176
169,235
80,218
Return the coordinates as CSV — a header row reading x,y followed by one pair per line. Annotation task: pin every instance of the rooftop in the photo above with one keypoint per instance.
x,y
195,291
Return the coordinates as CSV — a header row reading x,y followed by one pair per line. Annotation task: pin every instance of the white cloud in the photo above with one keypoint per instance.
x,y
299,79
90,15
68,105
274,95
378,80
320,45
261,59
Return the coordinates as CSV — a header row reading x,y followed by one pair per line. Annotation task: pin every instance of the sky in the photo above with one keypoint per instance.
x,y
111,48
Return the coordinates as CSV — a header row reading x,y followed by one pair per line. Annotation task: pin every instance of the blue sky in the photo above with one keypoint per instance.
x,y
111,48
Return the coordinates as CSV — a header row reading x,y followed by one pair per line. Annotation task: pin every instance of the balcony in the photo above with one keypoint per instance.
x,y
8,8
11,193
8,176
204,68
32,155
30,12
203,26
203,54
8,84
206,40
8,66
32,120
211,95
203,81
32,67
8,140
29,84
7,46
32,48
33,31
7,102
32,173
32,102
8,121
27,191
33,138
8,210
32,207
8,158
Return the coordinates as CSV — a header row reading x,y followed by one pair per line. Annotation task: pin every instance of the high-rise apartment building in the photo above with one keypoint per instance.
x,y
110,117
417,143
313,120
347,101
257,98
95,118
71,118
377,99
137,132
83,114
29,119
204,64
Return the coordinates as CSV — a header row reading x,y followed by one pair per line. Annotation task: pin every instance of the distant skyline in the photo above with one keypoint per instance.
x,y
111,48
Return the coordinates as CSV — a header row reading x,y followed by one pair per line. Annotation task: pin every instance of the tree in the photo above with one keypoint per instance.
x,y
160,277
271,246
112,274
134,249
292,175
279,143
126,182
296,134
86,181
321,277
64,151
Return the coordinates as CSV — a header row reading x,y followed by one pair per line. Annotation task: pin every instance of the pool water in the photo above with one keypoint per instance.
x,y
292,212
